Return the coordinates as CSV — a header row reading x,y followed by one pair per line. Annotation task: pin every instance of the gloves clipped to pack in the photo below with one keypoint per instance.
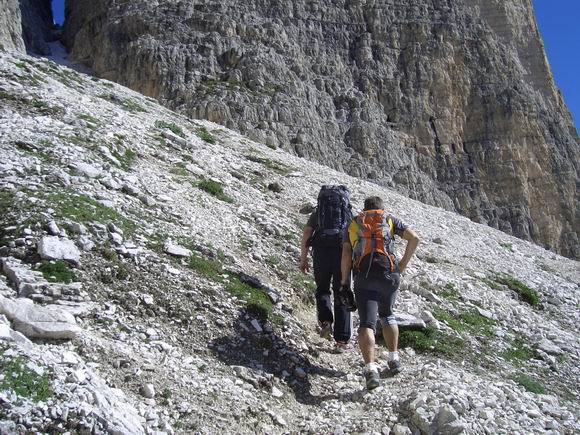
x,y
346,297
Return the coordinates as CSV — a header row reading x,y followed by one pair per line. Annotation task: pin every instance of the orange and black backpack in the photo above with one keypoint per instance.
x,y
371,235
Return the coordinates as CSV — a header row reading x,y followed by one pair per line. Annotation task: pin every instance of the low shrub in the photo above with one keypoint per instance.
x,y
529,383
57,271
214,188
174,128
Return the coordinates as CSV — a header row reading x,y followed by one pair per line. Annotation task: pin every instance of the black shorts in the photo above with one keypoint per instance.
x,y
376,296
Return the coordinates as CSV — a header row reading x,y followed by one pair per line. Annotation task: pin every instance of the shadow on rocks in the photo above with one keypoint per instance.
x,y
259,357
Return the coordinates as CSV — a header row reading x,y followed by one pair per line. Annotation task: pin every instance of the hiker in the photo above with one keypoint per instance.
x,y
368,249
324,232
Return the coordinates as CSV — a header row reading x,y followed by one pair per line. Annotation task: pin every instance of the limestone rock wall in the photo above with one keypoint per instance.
x,y
26,25
451,102
37,25
10,26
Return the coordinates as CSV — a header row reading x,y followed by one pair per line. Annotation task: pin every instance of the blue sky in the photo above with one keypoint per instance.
x,y
559,23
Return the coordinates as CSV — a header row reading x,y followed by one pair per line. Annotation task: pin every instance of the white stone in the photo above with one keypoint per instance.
x,y
69,358
88,170
256,325
549,347
37,321
400,429
176,250
277,393
116,238
53,228
5,332
54,248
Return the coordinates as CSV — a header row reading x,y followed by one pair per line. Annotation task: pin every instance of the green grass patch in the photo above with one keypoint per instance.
x,y
126,104
205,135
179,169
449,292
273,165
433,341
210,269
213,188
469,321
127,159
174,128
57,271
507,246
83,208
519,351
35,150
491,283
529,383
33,106
131,106
525,293
273,260
23,381
257,302
89,118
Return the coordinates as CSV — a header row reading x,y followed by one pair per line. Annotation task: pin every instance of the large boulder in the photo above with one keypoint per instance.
x,y
35,321
55,248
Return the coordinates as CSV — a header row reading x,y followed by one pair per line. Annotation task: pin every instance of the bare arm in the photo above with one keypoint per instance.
x,y
345,263
412,241
306,234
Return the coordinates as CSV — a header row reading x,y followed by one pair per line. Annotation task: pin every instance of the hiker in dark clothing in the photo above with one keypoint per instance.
x,y
368,248
324,233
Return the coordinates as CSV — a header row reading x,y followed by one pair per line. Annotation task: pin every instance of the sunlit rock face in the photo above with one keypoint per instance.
x,y
450,102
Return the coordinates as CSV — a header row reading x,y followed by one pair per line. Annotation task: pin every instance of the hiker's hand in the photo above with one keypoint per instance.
x,y
304,266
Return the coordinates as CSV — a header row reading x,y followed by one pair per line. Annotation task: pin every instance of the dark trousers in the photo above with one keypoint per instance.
x,y
326,264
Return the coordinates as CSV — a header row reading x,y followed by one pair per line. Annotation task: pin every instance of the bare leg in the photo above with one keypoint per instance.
x,y
391,336
366,342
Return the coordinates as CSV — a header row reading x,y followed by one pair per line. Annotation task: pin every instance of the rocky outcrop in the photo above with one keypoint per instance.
x,y
37,25
27,25
10,26
452,103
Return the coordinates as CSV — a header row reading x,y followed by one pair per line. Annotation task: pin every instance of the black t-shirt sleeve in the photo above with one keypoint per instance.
x,y
312,221
400,227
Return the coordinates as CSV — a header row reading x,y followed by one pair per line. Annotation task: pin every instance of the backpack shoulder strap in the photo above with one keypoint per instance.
x,y
391,227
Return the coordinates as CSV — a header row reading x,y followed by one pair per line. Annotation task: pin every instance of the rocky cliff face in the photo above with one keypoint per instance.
x,y
10,26
451,102
37,25
26,25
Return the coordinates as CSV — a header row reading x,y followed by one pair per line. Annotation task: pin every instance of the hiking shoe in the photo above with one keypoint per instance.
x,y
394,367
372,379
326,330
342,347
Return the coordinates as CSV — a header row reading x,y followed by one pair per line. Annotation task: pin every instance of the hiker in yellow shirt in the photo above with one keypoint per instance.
x,y
368,248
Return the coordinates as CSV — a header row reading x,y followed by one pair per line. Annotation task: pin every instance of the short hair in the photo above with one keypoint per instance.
x,y
373,203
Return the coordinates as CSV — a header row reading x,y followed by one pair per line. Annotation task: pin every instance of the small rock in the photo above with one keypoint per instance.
x,y
116,238
256,325
484,313
299,372
176,250
277,393
53,229
147,390
400,429
549,347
